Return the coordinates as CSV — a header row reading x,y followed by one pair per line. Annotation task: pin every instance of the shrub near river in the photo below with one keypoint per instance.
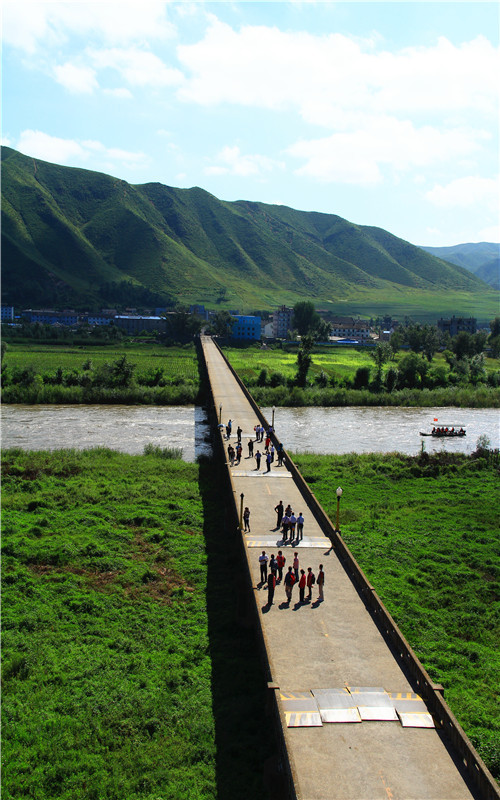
x,y
126,673
425,532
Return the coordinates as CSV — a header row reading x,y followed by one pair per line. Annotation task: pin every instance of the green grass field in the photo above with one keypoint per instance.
x,y
125,670
425,531
177,362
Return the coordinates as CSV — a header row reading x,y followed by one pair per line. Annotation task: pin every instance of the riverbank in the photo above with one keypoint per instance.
x,y
120,626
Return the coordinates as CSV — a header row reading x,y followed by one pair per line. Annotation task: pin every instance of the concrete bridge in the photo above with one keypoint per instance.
x,y
359,717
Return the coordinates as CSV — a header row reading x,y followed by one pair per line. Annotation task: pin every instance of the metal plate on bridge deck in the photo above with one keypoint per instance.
x,y
253,473
270,542
301,710
411,710
374,704
336,705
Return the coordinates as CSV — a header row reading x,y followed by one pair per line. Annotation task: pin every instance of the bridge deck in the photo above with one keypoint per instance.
x,y
330,645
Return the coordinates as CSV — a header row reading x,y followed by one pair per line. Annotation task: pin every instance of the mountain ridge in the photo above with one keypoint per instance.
x,y
70,235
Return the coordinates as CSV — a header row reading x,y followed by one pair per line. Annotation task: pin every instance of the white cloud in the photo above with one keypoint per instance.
x,y
30,25
77,80
121,93
358,156
466,192
327,77
49,148
137,67
72,152
233,162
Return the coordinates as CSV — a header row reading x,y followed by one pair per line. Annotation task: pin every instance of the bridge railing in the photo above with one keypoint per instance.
x,y
469,759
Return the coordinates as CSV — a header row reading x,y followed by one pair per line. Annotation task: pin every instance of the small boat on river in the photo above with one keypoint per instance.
x,y
444,431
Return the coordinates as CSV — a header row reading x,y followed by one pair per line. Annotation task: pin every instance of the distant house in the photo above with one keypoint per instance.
x,y
96,319
50,317
349,328
137,324
457,324
200,311
246,328
282,322
7,313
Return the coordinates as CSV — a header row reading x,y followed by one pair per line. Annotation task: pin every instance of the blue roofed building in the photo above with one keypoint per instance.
x,y
246,328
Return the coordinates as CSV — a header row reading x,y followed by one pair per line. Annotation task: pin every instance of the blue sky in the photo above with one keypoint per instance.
x,y
383,113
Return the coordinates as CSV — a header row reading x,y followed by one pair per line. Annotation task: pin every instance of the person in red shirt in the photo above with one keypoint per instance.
x,y
281,560
302,585
311,580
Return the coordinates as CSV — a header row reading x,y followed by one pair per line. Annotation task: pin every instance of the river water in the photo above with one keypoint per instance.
x,y
317,430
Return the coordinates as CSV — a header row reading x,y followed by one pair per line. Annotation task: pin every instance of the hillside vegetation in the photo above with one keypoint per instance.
x,y
481,258
81,238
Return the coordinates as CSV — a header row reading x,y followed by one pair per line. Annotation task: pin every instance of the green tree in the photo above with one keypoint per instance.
x,y
430,341
183,325
381,354
396,341
305,317
477,368
412,370
304,359
495,327
222,324
462,344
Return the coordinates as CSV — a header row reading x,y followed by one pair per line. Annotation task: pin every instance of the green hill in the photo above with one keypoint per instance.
x,y
72,237
481,258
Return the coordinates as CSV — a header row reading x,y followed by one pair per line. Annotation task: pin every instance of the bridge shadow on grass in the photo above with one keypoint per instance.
x,y
247,759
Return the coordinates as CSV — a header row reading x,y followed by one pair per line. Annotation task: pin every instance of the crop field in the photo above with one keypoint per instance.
x,y
425,532
248,363
176,362
125,670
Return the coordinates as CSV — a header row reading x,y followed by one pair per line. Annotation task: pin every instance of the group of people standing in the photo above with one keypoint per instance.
x,y
271,572
269,454
290,525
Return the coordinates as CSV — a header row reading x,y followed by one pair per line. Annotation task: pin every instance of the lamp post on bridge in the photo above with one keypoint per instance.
x,y
339,495
220,414
272,423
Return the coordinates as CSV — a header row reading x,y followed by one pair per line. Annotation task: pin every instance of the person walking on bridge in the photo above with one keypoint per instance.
x,y
258,456
279,514
281,561
263,559
302,585
250,448
311,580
246,518
271,585
268,462
300,526
238,433
289,582
321,582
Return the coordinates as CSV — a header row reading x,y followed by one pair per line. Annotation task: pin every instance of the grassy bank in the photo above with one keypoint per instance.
x,y
425,531
341,376
126,672
148,374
